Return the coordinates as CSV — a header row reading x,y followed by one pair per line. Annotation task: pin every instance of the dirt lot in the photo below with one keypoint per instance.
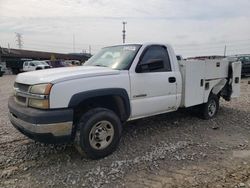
x,y
170,150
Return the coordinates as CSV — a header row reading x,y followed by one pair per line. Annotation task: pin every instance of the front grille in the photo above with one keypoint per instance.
x,y
22,87
21,99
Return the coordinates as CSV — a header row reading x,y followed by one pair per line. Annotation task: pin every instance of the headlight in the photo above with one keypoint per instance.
x,y
39,103
40,96
43,89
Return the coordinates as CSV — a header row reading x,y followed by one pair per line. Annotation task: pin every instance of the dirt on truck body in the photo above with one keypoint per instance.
x,y
169,150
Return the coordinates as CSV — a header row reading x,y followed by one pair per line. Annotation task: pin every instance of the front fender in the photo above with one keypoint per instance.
x,y
78,98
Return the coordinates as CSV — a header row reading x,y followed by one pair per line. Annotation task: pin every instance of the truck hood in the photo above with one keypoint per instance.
x,y
56,75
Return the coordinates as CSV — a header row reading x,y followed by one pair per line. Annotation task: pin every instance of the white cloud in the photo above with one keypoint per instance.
x,y
194,27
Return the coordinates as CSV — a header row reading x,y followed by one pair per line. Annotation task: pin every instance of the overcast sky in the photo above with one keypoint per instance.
x,y
193,27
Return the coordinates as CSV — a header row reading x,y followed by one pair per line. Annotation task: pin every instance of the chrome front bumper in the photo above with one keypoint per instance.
x,y
48,126
56,129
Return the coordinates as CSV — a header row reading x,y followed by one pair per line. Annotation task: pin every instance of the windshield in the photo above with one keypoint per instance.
x,y
115,57
44,62
39,62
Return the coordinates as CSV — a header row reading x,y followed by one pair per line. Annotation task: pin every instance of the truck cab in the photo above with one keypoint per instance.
x,y
88,105
155,82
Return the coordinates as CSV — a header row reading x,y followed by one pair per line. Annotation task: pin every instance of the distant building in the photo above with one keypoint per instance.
x,y
12,54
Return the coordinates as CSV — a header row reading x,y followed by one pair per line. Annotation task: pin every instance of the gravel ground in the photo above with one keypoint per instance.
x,y
171,150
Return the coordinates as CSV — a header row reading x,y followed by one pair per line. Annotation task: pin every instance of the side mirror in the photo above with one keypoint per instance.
x,y
151,65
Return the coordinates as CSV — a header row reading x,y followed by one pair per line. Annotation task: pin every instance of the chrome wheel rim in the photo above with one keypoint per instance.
x,y
101,135
212,108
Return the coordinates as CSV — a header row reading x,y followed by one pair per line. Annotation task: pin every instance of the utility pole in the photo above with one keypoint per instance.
x,y
19,40
124,32
74,45
89,49
225,50
9,48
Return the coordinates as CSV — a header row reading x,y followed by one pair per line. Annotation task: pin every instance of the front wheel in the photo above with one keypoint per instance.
x,y
98,133
210,109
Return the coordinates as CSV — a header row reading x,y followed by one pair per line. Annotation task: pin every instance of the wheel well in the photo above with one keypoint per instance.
x,y
114,103
216,94
215,87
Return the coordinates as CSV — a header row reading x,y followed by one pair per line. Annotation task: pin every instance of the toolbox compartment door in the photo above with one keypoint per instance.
x,y
193,79
236,70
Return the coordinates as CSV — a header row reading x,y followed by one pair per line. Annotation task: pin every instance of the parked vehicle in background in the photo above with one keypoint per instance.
x,y
57,63
1,71
16,65
89,103
72,63
245,61
35,65
69,63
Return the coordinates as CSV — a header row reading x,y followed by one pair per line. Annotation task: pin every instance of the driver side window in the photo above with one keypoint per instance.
x,y
160,58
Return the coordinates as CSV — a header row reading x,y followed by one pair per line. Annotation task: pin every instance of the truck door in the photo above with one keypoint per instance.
x,y
153,83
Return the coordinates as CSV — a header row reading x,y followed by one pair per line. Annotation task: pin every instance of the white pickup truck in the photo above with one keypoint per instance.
x,y
89,104
35,65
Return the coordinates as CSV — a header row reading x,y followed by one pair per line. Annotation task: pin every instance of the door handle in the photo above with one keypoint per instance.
x,y
141,95
172,79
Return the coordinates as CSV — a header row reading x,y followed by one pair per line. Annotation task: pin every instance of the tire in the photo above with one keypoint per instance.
x,y
210,109
98,133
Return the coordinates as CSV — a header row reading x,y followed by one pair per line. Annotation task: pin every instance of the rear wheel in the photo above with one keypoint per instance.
x,y
210,109
98,134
